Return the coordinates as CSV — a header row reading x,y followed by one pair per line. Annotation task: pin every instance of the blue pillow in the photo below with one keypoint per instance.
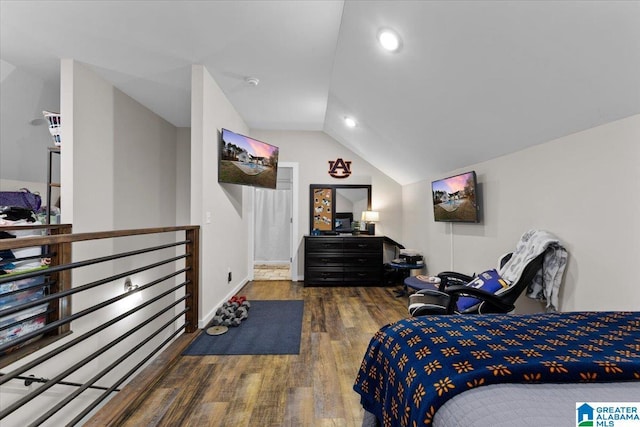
x,y
489,281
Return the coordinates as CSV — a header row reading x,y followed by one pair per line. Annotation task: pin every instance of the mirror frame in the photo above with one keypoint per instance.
x,y
333,188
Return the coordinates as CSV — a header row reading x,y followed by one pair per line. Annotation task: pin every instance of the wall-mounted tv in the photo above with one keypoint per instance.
x,y
455,198
247,161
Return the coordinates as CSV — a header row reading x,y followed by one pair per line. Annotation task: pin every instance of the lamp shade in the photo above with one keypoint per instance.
x,y
370,216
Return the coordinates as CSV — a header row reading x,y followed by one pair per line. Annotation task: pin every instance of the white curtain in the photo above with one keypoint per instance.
x,y
273,225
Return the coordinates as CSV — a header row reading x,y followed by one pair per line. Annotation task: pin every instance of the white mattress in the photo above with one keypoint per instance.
x,y
535,405
524,405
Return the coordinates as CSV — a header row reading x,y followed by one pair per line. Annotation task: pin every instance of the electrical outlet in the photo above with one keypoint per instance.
x,y
229,277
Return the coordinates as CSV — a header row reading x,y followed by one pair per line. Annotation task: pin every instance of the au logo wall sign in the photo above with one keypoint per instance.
x,y
607,414
339,168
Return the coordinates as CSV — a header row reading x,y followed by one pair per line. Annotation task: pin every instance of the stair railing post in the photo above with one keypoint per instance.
x,y
61,256
192,275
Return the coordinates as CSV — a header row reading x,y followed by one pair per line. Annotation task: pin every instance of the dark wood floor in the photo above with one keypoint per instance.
x,y
313,388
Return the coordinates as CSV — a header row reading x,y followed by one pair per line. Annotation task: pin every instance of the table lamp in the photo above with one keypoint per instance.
x,y
370,218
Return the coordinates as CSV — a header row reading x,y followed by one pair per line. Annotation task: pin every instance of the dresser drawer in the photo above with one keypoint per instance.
x,y
363,244
323,275
362,259
319,259
353,276
323,244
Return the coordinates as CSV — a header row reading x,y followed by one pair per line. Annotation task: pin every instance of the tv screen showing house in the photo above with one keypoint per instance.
x,y
247,161
455,198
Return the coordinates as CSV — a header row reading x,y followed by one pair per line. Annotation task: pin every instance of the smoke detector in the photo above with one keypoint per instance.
x,y
252,81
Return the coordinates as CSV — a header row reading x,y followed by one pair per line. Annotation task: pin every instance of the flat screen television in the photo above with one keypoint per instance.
x,y
344,221
247,161
455,198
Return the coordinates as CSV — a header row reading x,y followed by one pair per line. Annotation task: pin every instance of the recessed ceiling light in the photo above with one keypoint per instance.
x,y
349,122
389,39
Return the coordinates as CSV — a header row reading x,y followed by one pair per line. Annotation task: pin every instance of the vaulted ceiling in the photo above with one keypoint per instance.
x,y
473,80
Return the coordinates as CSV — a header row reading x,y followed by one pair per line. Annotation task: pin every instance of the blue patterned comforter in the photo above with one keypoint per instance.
x,y
415,365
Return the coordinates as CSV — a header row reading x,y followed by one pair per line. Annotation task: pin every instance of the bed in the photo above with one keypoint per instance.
x,y
499,369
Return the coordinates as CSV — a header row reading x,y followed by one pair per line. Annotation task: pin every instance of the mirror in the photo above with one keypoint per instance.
x,y
334,208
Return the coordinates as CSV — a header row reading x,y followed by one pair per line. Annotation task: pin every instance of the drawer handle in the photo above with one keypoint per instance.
x,y
362,245
362,260
362,274
324,260
324,275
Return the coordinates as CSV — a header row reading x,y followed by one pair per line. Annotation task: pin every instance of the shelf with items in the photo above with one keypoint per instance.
x,y
28,279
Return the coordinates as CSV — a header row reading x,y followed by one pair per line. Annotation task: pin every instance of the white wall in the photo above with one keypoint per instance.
x,y
584,188
313,151
144,164
225,236
183,176
23,146
119,158
87,156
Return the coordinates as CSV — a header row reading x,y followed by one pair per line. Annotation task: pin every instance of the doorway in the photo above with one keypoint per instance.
x,y
274,229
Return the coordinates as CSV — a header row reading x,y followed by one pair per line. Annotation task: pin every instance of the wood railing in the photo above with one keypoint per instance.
x,y
96,329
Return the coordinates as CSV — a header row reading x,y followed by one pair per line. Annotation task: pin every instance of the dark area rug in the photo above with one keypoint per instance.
x,y
273,327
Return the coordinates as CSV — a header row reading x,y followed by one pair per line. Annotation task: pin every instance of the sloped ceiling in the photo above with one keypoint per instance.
x,y
473,80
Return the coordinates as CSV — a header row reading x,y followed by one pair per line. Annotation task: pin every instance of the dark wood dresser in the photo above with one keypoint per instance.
x,y
343,261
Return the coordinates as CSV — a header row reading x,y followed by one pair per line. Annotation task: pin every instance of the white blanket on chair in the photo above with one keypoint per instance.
x,y
546,284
